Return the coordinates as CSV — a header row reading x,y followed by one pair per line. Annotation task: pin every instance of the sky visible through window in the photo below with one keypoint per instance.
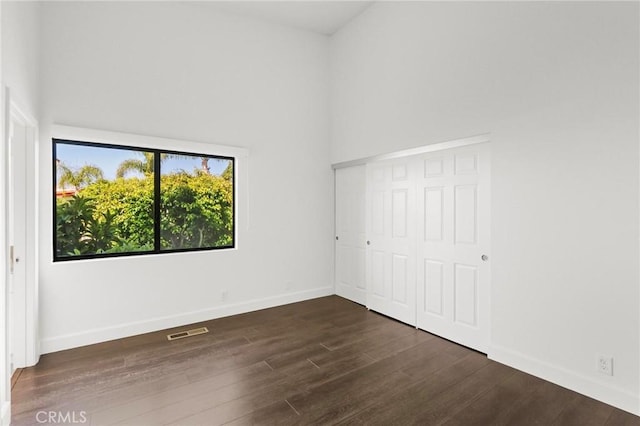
x,y
108,160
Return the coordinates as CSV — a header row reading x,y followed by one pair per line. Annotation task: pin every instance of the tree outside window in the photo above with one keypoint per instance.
x,y
112,200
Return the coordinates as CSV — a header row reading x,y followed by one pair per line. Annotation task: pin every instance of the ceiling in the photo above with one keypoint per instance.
x,y
324,17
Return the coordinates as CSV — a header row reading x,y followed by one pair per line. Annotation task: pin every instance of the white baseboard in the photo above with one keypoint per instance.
x,y
74,340
5,413
612,395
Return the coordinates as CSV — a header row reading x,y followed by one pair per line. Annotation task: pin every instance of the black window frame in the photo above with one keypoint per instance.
x,y
156,200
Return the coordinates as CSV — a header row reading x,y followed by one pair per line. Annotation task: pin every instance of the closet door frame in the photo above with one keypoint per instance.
x,y
416,152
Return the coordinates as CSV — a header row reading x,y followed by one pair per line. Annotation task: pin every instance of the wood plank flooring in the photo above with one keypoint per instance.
x,y
14,377
322,361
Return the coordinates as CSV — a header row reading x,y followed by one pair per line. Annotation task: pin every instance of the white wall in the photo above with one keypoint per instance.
x,y
18,71
556,85
20,53
185,71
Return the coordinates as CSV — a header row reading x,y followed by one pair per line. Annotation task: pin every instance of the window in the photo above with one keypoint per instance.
x,y
112,200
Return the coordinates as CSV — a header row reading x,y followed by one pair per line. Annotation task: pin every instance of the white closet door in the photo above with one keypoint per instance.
x,y
453,235
351,237
391,255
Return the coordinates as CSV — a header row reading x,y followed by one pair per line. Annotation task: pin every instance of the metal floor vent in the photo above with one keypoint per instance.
x,y
188,333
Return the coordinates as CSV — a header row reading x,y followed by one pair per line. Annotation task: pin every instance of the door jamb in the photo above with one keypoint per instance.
x,y
455,143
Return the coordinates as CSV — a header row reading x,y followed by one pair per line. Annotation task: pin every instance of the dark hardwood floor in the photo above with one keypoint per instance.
x,y
323,361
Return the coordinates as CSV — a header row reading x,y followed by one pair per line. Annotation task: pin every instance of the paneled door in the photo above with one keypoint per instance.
x,y
391,255
350,236
453,245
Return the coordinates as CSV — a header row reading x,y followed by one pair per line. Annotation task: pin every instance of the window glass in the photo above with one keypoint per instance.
x,y
196,208
110,201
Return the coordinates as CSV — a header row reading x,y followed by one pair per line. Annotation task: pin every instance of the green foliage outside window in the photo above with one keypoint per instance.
x,y
105,216
196,211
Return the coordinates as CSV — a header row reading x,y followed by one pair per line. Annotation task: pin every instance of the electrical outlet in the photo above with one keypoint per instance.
x,y
605,365
224,295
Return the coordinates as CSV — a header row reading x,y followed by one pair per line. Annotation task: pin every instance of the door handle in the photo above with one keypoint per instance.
x,y
484,257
